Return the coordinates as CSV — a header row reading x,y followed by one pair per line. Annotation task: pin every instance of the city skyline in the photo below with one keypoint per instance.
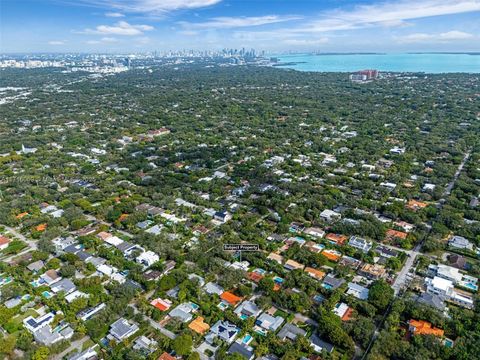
x,y
275,26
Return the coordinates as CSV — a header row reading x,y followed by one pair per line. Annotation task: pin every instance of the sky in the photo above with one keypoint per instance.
x,y
272,25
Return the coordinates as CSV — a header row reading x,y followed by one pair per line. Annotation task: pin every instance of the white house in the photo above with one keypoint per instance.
x,y
147,258
330,215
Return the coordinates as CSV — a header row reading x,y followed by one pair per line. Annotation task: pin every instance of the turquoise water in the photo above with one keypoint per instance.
x,y
246,340
428,63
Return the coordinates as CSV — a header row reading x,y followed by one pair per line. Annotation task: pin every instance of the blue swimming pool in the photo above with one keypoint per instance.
x,y
246,339
470,286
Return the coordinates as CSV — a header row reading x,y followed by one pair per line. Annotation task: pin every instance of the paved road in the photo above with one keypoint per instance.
x,y
74,345
451,184
32,245
155,324
403,274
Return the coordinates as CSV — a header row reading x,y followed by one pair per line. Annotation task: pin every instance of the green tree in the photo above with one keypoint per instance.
x,y
380,294
183,344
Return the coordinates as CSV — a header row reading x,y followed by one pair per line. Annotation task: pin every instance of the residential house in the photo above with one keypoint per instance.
x,y
357,291
431,300
319,345
445,289
332,255
184,311
394,235
88,354
222,216
458,261
36,266
230,298
199,325
46,336
145,345
373,272
360,244
147,258
65,285
245,351
293,265
350,262
405,226
213,288
343,311
332,283
161,304
122,329
50,277
459,242
268,322
88,313
223,330
4,241
386,252
337,239
275,257
416,205
291,332
247,309
421,327
314,273
61,243
315,232
330,215
33,324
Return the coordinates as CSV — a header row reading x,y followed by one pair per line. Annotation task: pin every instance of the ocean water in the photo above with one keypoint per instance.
x,y
425,62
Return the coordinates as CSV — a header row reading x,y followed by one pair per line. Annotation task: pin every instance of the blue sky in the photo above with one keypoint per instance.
x,y
272,25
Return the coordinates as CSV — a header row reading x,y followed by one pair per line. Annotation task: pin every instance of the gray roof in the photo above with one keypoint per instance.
x,y
314,339
73,249
85,355
45,336
63,285
83,255
183,312
333,281
36,266
290,331
12,302
245,351
247,308
269,322
213,288
121,329
125,246
96,261
431,300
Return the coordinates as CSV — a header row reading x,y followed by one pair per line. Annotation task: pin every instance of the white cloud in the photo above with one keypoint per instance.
x,y
114,14
150,6
56,42
188,33
306,42
449,36
455,35
388,14
119,28
226,22
109,39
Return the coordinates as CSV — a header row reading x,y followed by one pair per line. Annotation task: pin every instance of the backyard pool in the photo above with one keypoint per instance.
x,y
247,339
